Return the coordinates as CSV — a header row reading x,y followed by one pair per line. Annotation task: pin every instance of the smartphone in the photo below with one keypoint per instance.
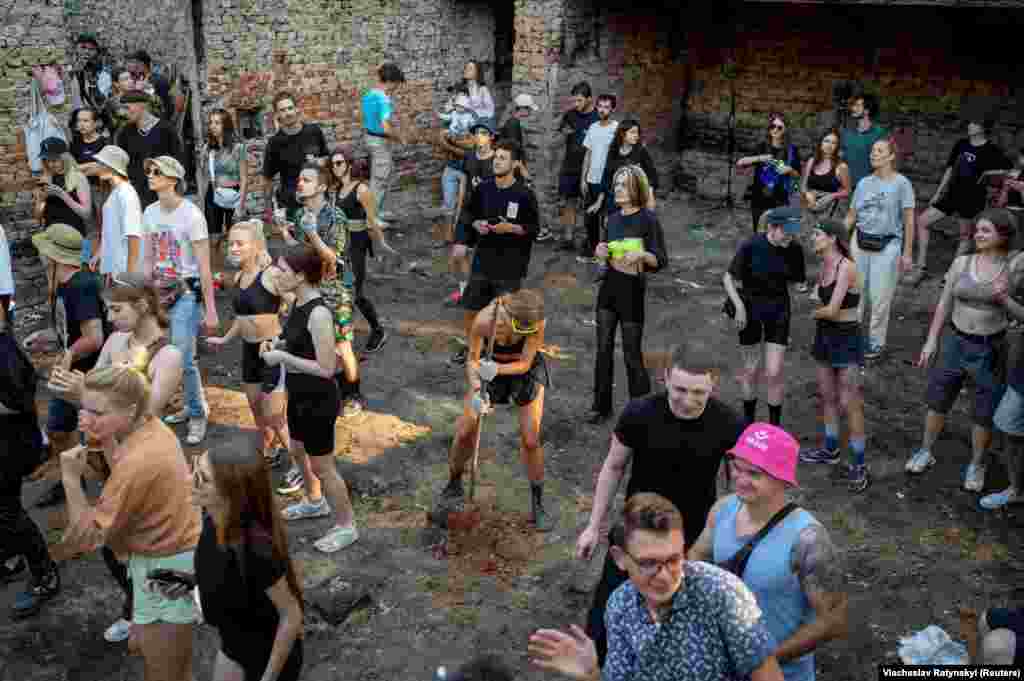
x,y
173,577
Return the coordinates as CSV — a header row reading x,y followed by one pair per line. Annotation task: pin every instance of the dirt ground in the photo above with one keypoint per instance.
x,y
403,600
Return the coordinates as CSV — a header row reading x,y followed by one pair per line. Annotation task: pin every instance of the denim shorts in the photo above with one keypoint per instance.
x,y
150,607
450,179
839,345
61,417
1009,416
960,355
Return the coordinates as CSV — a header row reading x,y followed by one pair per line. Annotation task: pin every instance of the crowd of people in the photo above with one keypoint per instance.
x,y
694,586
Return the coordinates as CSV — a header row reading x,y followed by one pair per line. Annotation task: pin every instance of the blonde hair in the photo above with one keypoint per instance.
x,y
637,184
125,384
254,228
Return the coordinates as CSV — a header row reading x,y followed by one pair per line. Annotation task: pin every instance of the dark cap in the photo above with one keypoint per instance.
x,y
134,98
786,217
87,38
480,124
52,148
833,228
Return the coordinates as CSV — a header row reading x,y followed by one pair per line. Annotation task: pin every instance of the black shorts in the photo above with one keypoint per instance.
x,y
767,322
839,345
960,206
520,389
569,186
255,370
1012,619
252,654
313,404
480,290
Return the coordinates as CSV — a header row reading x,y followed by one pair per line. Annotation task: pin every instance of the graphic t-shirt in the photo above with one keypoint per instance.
x,y
575,124
477,169
968,163
879,204
169,239
77,301
598,140
122,218
286,154
377,108
771,188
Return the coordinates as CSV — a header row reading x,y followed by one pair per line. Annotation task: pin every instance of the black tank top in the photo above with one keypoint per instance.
x,y
255,299
850,300
298,341
350,204
59,212
515,348
828,183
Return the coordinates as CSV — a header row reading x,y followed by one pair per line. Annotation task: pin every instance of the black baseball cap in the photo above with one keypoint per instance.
x,y
52,148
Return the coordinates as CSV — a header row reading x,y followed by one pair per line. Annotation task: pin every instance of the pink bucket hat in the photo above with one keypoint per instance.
x,y
771,449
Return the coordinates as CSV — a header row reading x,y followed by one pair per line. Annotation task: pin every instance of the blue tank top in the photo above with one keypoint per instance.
x,y
769,575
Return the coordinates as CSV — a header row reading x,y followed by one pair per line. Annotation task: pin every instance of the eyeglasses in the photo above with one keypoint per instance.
x,y
649,567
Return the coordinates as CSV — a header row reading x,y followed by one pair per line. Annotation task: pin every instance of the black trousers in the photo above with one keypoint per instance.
x,y
360,246
620,301
19,536
218,220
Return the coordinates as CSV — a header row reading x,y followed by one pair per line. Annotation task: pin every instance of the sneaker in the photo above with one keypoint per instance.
x,y
118,631
353,406
307,509
377,339
337,539
452,500
274,458
915,276
38,592
459,358
859,479
54,496
545,234
997,500
177,418
874,353
9,573
974,478
920,461
454,299
820,455
293,480
196,430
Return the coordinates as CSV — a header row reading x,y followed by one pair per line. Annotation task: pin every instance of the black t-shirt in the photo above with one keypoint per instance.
x,y
502,257
477,168
233,582
513,130
637,156
77,301
678,458
83,152
766,270
57,211
968,163
643,224
577,124
286,154
161,140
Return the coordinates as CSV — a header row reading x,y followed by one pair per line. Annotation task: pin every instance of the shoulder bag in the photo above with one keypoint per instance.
x,y
225,197
738,563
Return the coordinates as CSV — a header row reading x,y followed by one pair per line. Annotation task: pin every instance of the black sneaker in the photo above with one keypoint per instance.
x,y
53,497
8,573
39,591
459,358
452,500
377,339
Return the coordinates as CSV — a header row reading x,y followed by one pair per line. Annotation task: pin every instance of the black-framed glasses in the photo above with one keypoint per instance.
x,y
649,567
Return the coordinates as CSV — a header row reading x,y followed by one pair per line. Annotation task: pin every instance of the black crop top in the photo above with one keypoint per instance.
x,y
350,204
255,299
828,183
297,338
850,300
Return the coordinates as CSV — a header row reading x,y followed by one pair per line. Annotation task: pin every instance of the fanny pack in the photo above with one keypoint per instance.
x,y
873,242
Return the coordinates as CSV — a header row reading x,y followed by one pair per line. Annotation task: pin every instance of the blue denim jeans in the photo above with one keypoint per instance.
x,y
186,316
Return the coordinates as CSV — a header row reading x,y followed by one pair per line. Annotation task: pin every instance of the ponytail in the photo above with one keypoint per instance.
x,y
125,384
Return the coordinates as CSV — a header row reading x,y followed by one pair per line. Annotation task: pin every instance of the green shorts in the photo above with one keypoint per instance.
x,y
150,607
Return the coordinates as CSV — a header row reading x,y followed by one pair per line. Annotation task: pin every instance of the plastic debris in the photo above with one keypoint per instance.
x,y
932,646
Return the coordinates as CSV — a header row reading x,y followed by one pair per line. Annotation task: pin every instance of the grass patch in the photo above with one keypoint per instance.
x,y
461,616
430,583
889,551
359,618
578,295
853,526
439,264
520,600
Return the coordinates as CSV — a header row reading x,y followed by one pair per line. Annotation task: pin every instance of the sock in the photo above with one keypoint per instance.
x,y
857,449
750,410
462,287
775,414
355,389
831,437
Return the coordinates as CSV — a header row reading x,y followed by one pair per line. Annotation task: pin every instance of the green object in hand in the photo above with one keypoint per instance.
x,y
619,248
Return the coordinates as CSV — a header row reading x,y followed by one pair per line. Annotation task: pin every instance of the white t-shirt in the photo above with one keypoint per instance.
x,y
122,218
6,273
599,140
169,238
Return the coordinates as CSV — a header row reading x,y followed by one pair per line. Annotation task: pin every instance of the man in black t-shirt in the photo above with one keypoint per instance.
x,y
501,220
676,441
575,123
961,193
77,326
144,136
294,145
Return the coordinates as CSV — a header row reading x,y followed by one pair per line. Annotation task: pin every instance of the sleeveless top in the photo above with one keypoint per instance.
x,y
515,348
969,291
828,183
354,210
59,212
850,300
255,299
769,575
299,342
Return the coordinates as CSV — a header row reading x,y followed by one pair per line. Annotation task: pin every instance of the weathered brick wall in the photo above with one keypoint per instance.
x,y
327,54
789,62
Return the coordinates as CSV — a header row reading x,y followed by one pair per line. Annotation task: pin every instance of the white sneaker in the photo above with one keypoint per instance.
x,y
974,479
337,539
307,509
118,632
293,480
176,418
196,430
920,461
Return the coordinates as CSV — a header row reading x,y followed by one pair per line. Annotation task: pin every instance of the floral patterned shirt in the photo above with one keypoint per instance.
x,y
715,631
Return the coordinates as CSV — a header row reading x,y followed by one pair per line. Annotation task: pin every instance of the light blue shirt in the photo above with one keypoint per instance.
x,y
879,204
6,273
377,108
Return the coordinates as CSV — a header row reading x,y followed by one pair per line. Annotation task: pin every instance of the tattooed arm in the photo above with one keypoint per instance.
x,y
815,563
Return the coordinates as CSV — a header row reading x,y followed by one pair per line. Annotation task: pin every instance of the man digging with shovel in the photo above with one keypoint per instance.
x,y
514,371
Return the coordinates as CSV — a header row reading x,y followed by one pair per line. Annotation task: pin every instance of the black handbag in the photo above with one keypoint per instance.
x,y
872,242
738,563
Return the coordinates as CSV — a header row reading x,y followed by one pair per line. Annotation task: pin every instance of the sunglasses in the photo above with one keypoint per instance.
x,y
526,330
153,172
